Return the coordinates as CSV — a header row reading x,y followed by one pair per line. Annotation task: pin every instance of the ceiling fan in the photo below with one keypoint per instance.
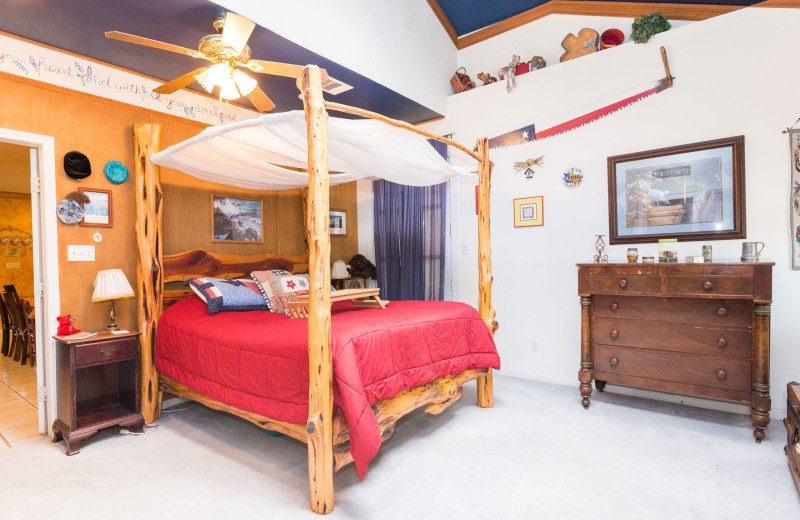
x,y
227,51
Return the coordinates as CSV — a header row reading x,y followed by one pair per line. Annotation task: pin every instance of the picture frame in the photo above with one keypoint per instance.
x,y
690,192
355,283
97,212
237,220
337,223
529,212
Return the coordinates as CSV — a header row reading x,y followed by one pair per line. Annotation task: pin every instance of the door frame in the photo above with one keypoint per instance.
x,y
45,263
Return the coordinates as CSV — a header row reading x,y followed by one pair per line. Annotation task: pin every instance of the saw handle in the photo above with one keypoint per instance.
x,y
669,77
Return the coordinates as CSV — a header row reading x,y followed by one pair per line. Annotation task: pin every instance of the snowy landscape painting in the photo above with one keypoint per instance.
x,y
237,220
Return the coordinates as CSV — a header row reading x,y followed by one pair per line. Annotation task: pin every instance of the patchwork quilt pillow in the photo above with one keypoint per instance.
x,y
287,286
229,295
267,287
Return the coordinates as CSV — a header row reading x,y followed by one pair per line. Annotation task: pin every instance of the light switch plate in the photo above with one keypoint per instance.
x,y
12,265
80,253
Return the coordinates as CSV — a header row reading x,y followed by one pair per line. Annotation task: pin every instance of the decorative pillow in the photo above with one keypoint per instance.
x,y
289,297
229,295
200,294
268,289
286,285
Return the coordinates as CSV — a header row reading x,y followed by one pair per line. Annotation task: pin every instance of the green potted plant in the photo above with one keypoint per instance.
x,y
648,25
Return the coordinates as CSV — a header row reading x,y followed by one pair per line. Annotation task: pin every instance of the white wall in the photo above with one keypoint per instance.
x,y
725,85
400,45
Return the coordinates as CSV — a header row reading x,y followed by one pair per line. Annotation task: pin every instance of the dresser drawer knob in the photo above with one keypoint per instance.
x,y
721,375
108,351
614,333
722,342
722,311
623,283
614,361
614,306
708,285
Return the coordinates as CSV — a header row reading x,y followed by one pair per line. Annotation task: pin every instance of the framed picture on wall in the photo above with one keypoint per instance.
x,y
96,212
237,220
689,192
355,283
338,222
529,212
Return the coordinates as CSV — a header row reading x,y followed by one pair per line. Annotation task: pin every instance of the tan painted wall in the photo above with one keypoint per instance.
x,y
102,130
15,170
15,211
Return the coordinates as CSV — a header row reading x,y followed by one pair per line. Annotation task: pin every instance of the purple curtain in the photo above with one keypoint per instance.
x,y
410,238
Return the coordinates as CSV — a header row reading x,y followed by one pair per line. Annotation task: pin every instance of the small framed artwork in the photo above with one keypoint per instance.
x,y
355,283
237,220
689,192
338,222
528,212
96,212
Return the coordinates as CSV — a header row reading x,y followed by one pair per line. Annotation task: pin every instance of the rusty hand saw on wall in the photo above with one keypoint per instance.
x,y
585,115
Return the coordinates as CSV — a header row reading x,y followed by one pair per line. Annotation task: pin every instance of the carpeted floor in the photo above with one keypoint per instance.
x,y
536,454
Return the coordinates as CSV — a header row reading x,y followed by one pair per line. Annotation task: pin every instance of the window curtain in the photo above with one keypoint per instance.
x,y
410,238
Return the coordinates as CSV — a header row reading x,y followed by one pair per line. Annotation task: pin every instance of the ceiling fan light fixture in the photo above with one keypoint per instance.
x,y
205,81
219,74
228,90
245,83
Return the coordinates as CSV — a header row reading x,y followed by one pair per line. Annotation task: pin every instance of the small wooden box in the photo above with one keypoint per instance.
x,y
792,423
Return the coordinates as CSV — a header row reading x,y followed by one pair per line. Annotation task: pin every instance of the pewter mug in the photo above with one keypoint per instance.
x,y
750,251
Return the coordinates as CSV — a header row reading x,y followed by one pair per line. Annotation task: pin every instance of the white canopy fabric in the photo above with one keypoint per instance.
x,y
248,153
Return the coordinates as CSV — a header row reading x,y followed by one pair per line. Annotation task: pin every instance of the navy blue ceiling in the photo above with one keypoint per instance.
x,y
79,25
467,16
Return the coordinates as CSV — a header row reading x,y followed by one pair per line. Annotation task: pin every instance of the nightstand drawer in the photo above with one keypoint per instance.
x,y
106,351
675,337
677,368
734,313
710,284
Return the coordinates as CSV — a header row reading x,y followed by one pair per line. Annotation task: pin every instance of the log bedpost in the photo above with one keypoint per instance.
x,y
320,393
149,267
485,393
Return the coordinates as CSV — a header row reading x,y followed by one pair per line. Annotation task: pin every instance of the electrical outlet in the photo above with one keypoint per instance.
x,y
464,249
80,253
534,346
12,265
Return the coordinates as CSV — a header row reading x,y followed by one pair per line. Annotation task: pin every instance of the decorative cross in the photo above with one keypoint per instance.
x,y
510,72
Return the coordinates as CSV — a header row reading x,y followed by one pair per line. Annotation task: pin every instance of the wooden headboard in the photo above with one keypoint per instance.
x,y
199,262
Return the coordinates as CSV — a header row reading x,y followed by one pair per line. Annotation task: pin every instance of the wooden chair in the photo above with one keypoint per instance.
x,y
7,330
15,347
14,306
30,330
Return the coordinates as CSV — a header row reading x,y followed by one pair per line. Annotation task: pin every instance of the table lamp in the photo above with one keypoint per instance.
x,y
339,270
111,285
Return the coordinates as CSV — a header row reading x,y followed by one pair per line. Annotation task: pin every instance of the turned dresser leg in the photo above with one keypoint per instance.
x,y
760,403
586,374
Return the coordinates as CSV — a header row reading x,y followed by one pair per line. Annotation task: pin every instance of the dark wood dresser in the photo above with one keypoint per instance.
x,y
695,329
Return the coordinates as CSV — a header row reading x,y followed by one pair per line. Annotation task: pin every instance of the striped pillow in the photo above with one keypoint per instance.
x,y
268,289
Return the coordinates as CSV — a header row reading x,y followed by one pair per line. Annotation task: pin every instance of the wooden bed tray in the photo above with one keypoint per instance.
x,y
327,436
359,297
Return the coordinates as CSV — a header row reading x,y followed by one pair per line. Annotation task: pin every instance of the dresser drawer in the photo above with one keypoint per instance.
x,y
105,351
626,283
678,368
710,284
675,337
735,313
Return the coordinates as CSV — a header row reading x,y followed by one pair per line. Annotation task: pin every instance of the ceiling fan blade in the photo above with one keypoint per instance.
x,y
179,82
275,68
236,31
260,100
139,40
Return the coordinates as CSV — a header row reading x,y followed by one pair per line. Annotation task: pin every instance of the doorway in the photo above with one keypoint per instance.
x,y
42,257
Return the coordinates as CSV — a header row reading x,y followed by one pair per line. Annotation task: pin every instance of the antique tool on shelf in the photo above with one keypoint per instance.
x,y
566,122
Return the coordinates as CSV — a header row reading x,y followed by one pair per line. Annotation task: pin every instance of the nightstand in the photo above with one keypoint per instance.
x,y
97,386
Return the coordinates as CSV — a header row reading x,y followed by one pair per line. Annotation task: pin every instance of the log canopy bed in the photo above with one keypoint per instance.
x,y
455,345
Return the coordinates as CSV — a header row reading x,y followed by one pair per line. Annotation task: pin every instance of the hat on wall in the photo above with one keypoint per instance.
x,y
116,172
77,165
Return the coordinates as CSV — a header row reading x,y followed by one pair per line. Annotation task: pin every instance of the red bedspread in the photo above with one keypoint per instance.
x,y
257,361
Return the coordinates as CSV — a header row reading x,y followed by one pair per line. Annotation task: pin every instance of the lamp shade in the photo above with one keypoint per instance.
x,y
339,270
111,284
